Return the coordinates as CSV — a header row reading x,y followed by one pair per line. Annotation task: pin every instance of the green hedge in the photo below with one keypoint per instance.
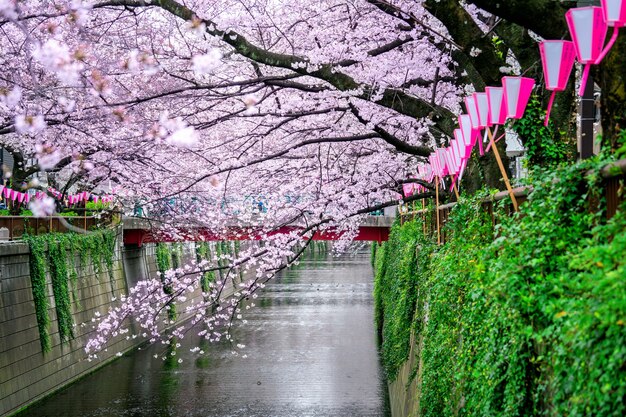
x,y
528,323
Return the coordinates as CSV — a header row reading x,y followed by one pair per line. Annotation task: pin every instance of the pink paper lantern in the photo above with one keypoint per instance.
x,y
472,111
407,189
465,150
517,92
441,158
451,161
557,58
458,153
20,197
431,160
614,12
468,133
482,108
588,30
497,111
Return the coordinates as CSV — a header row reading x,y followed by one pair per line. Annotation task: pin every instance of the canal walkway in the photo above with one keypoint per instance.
x,y
311,352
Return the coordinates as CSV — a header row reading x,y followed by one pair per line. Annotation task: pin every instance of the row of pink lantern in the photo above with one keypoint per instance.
x,y
491,108
21,197
77,198
588,27
14,195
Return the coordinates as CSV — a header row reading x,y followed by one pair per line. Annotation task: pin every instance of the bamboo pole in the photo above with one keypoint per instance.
x,y
456,191
437,210
502,170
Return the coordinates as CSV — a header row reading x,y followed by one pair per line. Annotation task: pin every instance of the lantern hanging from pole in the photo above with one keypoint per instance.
x,y
588,30
452,154
472,110
470,104
449,163
407,190
458,154
441,155
614,12
495,99
517,92
468,133
482,108
433,164
458,135
558,59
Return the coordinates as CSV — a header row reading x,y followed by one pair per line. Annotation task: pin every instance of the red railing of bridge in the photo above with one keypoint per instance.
x,y
139,236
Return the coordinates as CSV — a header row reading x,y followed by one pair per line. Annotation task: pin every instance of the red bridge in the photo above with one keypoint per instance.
x,y
138,231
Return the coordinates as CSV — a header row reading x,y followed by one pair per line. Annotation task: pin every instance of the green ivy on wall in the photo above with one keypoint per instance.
x,y
163,261
527,319
37,258
58,252
203,252
57,257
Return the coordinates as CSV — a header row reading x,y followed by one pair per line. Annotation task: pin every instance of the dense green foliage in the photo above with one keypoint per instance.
x,y
395,293
545,145
526,322
59,251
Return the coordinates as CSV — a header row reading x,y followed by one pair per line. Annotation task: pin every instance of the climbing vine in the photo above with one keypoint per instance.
x,y
163,261
203,252
524,319
37,258
57,255
59,251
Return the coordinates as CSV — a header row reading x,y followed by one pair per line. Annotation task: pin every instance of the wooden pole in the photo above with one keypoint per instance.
x,y
437,210
456,191
502,170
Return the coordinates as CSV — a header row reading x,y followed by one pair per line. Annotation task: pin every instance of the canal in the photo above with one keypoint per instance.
x,y
311,352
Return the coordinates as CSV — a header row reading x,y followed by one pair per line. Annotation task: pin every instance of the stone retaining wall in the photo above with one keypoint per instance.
x,y
26,374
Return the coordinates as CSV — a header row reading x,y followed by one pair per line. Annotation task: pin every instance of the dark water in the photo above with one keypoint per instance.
x,y
311,348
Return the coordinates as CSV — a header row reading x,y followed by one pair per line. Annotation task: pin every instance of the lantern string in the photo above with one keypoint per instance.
x,y
583,81
550,103
608,45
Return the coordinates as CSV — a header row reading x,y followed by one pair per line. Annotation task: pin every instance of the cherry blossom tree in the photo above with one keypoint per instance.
x,y
320,110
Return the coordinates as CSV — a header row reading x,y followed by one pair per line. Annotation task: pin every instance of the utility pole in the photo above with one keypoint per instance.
x,y
587,106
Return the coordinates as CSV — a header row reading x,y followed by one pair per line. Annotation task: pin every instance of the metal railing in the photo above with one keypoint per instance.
x,y
14,227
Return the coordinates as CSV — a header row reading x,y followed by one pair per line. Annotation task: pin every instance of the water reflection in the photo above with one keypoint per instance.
x,y
311,348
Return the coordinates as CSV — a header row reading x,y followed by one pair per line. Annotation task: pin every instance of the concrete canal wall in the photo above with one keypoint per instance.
x,y
27,374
